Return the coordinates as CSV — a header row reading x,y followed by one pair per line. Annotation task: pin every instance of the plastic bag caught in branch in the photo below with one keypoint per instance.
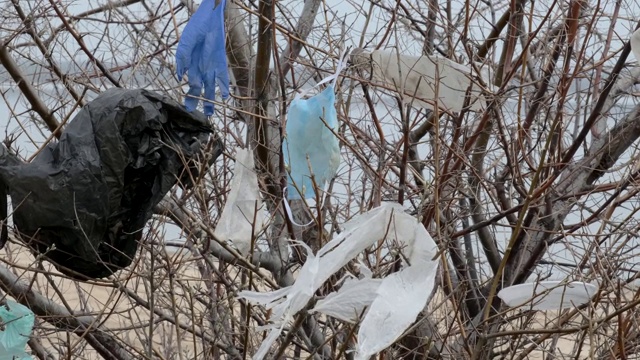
x,y
237,219
399,299
17,321
84,200
635,44
350,301
422,77
361,232
201,53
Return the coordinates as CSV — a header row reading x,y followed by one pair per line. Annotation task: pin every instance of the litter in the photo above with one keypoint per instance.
x,y
310,146
84,200
17,321
236,222
420,78
548,295
410,287
201,54
635,44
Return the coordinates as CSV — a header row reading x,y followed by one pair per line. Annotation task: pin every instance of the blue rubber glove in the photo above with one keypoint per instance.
x,y
308,135
201,53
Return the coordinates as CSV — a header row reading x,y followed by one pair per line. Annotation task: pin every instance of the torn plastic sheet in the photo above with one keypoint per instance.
x,y
548,295
237,219
17,321
91,193
421,77
635,44
399,300
413,284
310,146
350,301
201,53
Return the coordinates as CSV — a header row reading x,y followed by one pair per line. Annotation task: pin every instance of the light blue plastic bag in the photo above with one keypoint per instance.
x,y
201,53
310,145
17,321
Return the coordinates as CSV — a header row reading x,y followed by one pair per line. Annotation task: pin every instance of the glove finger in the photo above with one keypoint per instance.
x,y
193,34
209,92
195,89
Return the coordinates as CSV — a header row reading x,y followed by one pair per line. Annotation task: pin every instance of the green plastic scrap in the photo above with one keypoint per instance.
x,y
17,326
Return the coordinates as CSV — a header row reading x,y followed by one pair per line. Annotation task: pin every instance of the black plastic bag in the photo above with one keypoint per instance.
x,y
83,201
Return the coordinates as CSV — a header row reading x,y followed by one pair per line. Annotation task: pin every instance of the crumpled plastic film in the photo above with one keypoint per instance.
x,y
350,301
635,44
412,285
91,193
17,321
237,219
201,54
399,299
421,77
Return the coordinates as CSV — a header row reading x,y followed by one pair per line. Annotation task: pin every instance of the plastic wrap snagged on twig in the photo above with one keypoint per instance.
x,y
411,286
201,54
548,295
635,44
237,219
91,193
17,326
422,77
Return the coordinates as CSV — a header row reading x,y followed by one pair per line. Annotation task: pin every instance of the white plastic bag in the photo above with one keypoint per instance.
x,y
413,284
424,76
548,295
350,301
398,301
635,44
238,215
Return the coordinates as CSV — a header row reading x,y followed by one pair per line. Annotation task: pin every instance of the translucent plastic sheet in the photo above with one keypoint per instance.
x,y
422,77
548,295
635,44
410,287
237,219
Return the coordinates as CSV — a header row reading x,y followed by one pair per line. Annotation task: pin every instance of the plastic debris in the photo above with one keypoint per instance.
x,y
201,54
237,219
410,287
635,44
399,299
17,321
548,295
6,159
84,200
350,301
422,77
310,146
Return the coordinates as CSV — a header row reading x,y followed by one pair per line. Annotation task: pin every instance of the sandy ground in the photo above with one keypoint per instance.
x,y
131,323
125,319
